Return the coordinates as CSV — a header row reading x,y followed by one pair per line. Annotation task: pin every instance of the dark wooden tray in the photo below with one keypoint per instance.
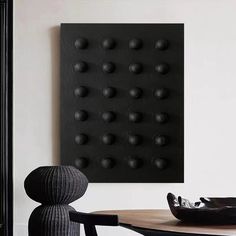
x,y
206,211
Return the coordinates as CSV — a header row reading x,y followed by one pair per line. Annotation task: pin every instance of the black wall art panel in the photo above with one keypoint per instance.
x,y
122,101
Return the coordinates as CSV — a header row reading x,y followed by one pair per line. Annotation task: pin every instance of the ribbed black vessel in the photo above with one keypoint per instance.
x,y
54,187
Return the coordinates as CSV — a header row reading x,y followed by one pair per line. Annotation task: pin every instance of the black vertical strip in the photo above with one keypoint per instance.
x,y
6,101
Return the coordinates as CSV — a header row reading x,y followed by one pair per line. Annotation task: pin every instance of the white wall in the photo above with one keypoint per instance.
x,y
210,97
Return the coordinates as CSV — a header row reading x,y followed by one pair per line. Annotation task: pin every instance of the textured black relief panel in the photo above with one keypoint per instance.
x,y
122,101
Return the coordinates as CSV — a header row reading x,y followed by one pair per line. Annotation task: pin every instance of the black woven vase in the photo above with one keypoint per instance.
x,y
54,187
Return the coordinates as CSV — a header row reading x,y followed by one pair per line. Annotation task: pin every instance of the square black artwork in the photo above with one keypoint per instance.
x,y
122,101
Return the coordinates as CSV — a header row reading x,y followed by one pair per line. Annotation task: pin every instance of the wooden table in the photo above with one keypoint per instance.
x,y
162,222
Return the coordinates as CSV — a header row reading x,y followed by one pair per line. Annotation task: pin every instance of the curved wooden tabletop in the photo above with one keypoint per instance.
x,y
163,220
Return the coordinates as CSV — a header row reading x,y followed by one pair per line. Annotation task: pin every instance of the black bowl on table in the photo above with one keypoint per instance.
x,y
206,211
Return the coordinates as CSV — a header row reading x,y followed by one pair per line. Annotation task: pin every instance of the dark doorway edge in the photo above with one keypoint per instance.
x,y
6,128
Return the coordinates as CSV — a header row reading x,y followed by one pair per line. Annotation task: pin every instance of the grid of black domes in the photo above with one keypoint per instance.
x,y
122,101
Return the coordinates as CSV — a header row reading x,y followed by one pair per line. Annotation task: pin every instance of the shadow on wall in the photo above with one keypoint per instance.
x,y
55,89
